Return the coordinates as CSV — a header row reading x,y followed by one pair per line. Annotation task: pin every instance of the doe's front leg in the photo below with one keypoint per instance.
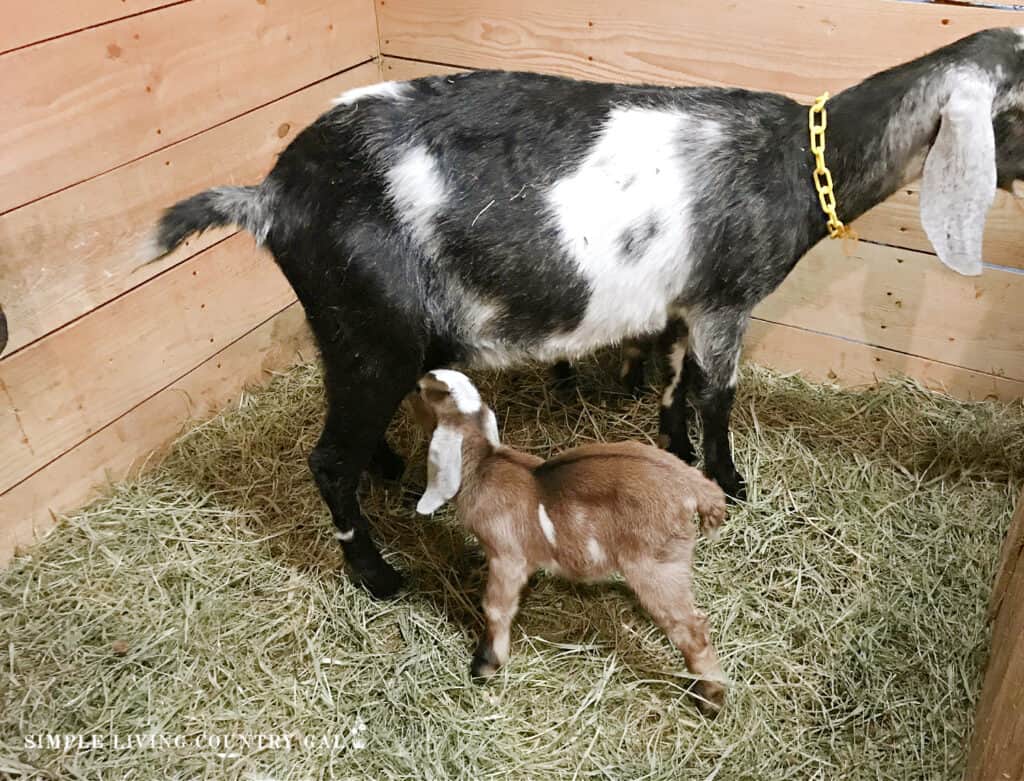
x,y
506,577
710,369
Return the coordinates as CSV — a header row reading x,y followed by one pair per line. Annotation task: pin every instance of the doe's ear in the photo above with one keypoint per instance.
x,y
444,469
960,179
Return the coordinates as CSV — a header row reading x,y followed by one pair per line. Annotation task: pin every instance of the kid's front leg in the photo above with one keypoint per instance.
x,y
505,580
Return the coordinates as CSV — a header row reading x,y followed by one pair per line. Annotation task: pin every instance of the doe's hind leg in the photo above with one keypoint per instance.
x,y
663,588
362,396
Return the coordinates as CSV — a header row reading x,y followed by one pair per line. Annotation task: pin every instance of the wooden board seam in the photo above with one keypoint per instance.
x,y
874,346
250,110
392,56
130,409
118,296
1014,557
83,242
93,26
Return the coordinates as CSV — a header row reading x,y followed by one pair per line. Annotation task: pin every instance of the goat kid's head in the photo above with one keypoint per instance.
x,y
979,146
455,404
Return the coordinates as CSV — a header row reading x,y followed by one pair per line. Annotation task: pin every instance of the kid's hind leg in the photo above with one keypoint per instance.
x,y
663,588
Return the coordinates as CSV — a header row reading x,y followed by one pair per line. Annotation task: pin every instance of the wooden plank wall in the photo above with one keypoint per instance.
x,y
997,749
112,112
888,308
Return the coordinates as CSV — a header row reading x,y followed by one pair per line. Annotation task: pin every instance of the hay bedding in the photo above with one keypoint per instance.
x,y
847,600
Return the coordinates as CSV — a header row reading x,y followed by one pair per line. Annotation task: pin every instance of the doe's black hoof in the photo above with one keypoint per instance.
x,y
384,582
634,379
563,377
735,487
681,447
388,464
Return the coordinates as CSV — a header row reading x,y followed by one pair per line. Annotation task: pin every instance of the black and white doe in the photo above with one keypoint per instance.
x,y
491,218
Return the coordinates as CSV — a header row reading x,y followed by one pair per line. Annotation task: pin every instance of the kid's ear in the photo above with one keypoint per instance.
x,y
491,427
444,469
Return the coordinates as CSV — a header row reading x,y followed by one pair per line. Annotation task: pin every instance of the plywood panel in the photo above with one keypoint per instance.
x,y
825,358
28,509
906,301
782,46
396,69
66,254
26,22
897,223
67,386
78,105
997,749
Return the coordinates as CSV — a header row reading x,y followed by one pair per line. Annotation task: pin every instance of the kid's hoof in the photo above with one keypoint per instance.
x,y
710,698
484,664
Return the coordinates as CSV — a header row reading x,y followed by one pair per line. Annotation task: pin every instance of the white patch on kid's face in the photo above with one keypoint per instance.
x,y
345,536
418,190
463,392
595,552
386,90
546,525
624,219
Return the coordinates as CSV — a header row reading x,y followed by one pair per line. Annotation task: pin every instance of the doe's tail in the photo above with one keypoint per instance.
x,y
249,208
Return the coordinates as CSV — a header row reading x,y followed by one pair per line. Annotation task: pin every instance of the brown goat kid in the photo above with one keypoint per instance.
x,y
584,514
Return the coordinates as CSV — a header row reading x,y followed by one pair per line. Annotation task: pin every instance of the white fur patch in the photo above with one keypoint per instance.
x,y
595,552
491,428
675,360
393,90
444,469
501,645
624,218
479,318
463,392
546,525
959,180
345,536
418,190
148,249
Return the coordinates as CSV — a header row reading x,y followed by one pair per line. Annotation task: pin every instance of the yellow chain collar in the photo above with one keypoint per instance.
x,y
817,120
